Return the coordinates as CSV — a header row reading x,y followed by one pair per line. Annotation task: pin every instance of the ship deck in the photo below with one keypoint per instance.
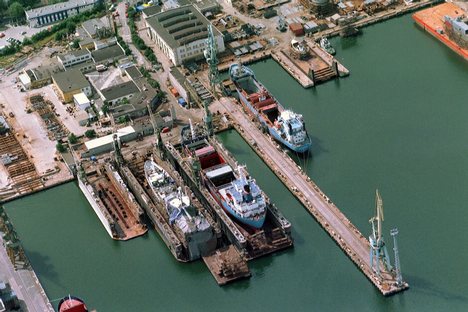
x,y
432,20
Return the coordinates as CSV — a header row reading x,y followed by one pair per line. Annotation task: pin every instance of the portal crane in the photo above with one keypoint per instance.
x,y
212,60
378,250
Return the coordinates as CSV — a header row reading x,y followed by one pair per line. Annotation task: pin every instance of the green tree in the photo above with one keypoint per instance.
x,y
72,138
105,108
27,41
90,133
60,35
16,10
71,27
60,147
75,43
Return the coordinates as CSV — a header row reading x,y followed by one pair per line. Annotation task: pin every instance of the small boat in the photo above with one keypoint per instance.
x,y
299,50
326,45
72,304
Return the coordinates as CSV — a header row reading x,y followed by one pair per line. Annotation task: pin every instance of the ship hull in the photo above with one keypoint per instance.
x,y
296,148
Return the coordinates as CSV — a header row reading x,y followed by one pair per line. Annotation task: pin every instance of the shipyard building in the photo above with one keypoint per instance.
x,y
50,14
181,33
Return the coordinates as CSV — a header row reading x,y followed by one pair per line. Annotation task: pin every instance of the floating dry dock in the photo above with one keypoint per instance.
x,y
318,67
345,234
226,265
111,200
275,235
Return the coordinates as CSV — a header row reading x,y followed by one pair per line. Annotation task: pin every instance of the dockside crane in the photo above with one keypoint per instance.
x,y
212,60
157,132
378,250
399,278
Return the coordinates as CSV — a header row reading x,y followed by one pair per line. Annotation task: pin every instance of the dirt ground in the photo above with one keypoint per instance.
x,y
30,129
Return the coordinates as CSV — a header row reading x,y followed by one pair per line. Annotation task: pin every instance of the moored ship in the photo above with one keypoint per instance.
x,y
234,190
197,232
72,304
326,45
284,125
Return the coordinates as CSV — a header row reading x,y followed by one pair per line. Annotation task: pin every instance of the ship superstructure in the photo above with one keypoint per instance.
x,y
284,125
237,192
189,222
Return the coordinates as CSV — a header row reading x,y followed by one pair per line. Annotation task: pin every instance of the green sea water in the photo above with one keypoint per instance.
x,y
398,123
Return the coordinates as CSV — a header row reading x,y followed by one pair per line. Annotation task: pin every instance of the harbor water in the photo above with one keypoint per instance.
x,y
397,123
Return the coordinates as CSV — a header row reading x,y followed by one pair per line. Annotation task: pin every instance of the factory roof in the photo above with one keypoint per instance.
x,y
70,80
58,7
108,138
152,10
181,26
91,26
107,53
73,55
133,72
120,90
175,72
80,98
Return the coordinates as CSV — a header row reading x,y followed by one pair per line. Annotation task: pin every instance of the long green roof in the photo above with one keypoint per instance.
x,y
180,26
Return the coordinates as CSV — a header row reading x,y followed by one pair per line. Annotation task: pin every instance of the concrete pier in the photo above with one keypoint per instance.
x,y
345,234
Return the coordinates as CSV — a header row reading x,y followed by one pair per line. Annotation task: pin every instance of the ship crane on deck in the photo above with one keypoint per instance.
x,y
378,250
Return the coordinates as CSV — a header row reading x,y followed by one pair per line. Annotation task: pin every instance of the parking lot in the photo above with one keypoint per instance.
x,y
17,33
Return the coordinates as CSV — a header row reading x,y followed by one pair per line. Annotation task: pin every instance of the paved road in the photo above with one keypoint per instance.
x,y
24,283
329,216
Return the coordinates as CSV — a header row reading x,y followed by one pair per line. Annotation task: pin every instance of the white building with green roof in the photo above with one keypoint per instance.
x,y
181,33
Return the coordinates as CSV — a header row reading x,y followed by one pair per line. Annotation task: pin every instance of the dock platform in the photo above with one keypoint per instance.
x,y
432,21
227,265
345,234
318,67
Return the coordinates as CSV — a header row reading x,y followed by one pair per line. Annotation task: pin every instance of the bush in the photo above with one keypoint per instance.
x,y
60,148
90,133
72,138
153,83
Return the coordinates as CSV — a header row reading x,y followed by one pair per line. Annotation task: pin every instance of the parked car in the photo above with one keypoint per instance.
x,y
2,35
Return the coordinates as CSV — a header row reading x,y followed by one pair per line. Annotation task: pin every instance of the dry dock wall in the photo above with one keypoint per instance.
x,y
90,196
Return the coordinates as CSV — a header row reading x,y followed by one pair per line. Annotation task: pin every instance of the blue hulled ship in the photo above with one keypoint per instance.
x,y
234,190
284,125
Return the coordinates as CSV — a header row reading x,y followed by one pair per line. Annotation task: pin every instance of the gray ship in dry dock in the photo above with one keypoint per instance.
x,y
184,217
